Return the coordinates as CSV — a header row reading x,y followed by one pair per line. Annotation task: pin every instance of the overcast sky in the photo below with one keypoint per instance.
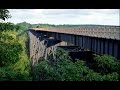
x,y
66,16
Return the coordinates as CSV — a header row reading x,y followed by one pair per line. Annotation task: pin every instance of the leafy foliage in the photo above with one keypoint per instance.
x,y
7,26
66,70
22,26
9,49
4,14
106,64
19,27
14,63
9,74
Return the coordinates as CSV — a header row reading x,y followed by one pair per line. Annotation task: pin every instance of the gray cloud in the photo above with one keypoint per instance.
x,y
66,12
66,16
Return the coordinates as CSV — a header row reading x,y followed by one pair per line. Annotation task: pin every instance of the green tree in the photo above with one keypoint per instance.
x,y
4,14
21,27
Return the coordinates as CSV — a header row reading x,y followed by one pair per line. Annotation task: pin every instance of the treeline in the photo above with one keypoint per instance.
x,y
8,26
14,27
25,26
52,25
65,25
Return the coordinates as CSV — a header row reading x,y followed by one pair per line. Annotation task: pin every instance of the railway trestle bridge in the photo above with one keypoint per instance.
x,y
96,38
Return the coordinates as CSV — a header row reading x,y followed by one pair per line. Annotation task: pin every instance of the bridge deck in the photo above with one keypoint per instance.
x,y
109,32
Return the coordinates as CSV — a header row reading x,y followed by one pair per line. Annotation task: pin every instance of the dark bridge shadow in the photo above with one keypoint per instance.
x,y
76,52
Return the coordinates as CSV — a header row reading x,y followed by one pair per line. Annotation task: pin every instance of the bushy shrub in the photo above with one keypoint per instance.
x,y
9,74
114,76
7,26
106,64
14,63
6,74
9,52
66,70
